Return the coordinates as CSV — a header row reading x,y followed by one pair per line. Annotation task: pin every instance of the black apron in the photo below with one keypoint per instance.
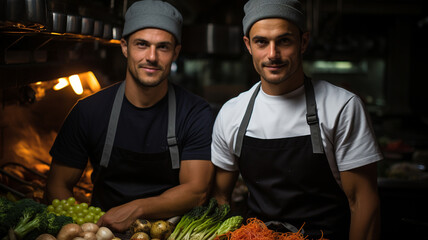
x,y
124,175
290,179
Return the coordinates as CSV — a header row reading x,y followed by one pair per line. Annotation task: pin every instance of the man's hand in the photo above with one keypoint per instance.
x,y
195,183
120,218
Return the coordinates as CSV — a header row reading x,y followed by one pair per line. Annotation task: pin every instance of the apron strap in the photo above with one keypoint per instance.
x,y
171,138
313,122
312,117
245,122
114,119
112,125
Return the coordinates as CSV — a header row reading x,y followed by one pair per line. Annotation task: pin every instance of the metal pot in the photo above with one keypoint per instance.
x,y
29,13
87,26
74,24
59,22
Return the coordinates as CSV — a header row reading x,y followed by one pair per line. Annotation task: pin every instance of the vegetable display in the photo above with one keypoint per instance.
x,y
81,213
90,231
256,229
203,222
143,229
27,219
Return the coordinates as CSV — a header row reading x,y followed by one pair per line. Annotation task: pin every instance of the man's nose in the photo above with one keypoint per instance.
x,y
152,55
273,50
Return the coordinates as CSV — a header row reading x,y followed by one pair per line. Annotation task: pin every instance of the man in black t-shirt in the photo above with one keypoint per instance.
x,y
147,139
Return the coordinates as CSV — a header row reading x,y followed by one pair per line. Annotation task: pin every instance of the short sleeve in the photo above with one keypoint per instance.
x,y
222,145
69,145
198,130
355,142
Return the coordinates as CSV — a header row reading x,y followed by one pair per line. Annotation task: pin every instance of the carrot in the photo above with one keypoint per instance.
x,y
256,229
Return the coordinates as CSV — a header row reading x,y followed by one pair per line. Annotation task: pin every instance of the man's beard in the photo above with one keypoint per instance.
x,y
143,83
278,62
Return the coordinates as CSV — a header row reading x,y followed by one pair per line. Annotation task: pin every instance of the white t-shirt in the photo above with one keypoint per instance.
x,y
346,130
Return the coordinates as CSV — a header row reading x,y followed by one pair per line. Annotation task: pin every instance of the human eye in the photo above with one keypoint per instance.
x,y
164,47
284,41
260,42
142,44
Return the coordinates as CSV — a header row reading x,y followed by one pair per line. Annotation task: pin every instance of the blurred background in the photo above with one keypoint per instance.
x,y
54,52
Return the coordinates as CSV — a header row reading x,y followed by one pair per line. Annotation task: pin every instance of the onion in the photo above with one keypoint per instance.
x,y
90,227
89,236
104,234
141,225
69,231
45,236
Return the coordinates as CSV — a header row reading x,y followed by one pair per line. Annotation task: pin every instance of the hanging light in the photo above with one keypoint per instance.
x,y
91,81
62,83
76,84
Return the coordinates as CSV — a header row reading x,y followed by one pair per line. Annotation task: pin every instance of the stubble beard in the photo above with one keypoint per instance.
x,y
142,83
287,71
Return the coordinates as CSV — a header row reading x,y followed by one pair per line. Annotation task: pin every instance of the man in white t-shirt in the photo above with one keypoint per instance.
x,y
304,148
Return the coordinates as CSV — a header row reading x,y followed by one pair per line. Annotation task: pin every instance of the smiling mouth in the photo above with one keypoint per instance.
x,y
274,64
150,69
275,67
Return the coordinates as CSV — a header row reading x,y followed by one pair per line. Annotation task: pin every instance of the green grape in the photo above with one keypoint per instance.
x,y
55,202
70,213
91,209
85,211
50,208
96,217
71,201
63,212
89,218
84,205
66,206
80,220
63,201
97,210
72,209
58,209
80,215
77,208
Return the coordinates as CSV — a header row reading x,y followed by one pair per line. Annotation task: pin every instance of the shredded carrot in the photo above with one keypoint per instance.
x,y
256,229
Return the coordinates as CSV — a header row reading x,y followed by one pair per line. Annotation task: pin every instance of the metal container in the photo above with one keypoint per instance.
x,y
117,33
87,26
25,13
98,28
36,13
107,33
15,11
74,24
59,22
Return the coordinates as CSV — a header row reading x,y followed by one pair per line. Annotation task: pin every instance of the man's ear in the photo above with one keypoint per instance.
x,y
124,46
247,44
304,42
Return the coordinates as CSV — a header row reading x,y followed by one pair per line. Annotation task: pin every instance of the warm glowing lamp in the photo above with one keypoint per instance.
x,y
62,83
91,80
76,84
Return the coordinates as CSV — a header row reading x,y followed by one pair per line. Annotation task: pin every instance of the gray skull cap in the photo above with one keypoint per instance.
x,y
256,10
153,14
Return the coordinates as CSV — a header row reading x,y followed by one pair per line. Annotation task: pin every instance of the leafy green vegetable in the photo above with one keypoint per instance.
x,y
29,219
201,223
6,219
229,225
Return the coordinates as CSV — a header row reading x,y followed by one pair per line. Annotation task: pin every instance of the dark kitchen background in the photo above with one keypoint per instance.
x,y
54,52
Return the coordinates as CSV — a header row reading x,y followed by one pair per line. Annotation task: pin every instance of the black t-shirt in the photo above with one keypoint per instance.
x,y
141,130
